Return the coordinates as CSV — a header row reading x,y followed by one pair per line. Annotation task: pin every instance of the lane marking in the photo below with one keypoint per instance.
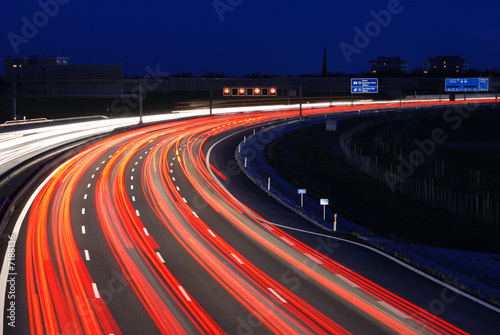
x,y
184,293
136,163
145,231
88,186
344,279
280,298
133,198
140,157
313,258
159,256
177,187
132,178
194,213
171,171
133,170
87,255
287,241
85,197
97,169
173,178
103,162
96,291
211,233
83,211
393,310
93,176
83,230
184,199
237,259
131,187
137,212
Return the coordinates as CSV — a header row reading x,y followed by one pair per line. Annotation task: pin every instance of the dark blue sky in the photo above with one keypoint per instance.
x,y
283,37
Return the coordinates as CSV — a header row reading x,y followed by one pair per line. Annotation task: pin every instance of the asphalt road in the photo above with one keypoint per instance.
x,y
134,236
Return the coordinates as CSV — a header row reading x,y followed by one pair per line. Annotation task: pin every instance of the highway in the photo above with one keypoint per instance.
x,y
155,231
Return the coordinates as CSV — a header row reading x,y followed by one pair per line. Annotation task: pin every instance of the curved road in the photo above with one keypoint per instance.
x,y
135,235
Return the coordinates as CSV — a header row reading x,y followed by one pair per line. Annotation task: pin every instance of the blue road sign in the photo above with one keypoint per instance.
x,y
301,191
466,84
367,85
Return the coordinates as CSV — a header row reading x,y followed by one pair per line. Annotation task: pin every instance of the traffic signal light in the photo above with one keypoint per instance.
x,y
273,91
256,91
227,91
241,91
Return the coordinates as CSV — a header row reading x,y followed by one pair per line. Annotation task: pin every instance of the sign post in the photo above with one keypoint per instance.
x,y
363,85
324,203
335,223
301,192
466,85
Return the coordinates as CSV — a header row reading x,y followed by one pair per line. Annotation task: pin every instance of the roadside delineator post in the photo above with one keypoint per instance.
x,y
335,222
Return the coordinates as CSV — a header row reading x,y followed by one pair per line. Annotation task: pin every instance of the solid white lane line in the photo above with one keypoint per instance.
x,y
83,230
211,233
280,298
145,231
184,293
159,257
313,258
237,259
87,255
344,279
96,291
393,310
287,241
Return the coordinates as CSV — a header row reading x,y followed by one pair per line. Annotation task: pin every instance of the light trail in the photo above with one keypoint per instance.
x,y
62,294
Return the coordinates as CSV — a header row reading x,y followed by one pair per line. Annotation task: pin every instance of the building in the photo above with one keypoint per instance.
x,y
25,67
55,76
389,65
446,65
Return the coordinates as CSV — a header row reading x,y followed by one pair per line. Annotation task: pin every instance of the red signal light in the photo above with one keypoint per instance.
x,y
256,91
241,91
273,91
227,91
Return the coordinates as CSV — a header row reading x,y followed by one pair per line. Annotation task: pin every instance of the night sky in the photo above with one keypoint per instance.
x,y
238,37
